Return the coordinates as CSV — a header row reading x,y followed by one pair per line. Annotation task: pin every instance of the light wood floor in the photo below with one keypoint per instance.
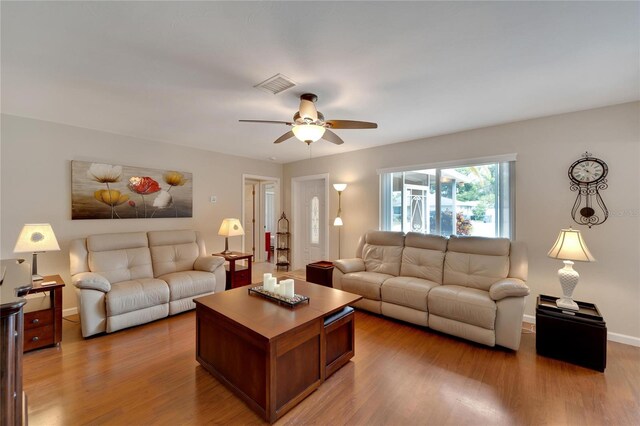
x,y
401,375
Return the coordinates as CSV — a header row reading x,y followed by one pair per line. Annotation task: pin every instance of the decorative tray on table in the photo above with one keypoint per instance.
x,y
290,302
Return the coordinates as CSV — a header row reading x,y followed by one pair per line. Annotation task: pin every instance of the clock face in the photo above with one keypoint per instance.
x,y
588,170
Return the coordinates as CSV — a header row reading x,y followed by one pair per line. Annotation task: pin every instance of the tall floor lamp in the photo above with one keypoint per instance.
x,y
338,220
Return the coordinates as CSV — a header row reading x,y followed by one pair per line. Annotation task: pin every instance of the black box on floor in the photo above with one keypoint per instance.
x,y
579,337
320,273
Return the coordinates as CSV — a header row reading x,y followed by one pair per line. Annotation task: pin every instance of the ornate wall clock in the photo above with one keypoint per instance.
x,y
588,177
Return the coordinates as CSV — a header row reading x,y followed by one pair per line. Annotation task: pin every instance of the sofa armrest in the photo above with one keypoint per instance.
x,y
508,287
91,281
208,263
349,265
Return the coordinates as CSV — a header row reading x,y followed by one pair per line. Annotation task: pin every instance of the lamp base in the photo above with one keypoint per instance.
x,y
568,280
37,277
226,246
566,303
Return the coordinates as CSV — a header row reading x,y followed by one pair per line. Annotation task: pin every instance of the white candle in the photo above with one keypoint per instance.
x,y
288,289
272,284
265,279
276,289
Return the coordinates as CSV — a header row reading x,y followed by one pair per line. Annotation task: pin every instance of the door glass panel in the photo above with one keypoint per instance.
x,y
315,220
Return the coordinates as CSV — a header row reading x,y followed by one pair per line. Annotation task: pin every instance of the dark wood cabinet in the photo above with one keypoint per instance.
x,y
579,337
43,314
15,282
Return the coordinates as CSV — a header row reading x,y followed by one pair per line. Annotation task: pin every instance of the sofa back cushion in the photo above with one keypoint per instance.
x,y
382,252
423,256
476,262
174,251
120,257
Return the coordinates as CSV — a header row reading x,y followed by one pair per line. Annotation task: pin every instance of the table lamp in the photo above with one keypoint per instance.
x,y
569,246
230,228
36,238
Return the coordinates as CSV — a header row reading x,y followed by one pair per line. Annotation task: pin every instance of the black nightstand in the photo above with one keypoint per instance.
x,y
579,337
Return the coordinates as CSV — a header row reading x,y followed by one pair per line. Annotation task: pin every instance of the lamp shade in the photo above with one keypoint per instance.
x,y
308,132
571,246
340,186
230,228
36,237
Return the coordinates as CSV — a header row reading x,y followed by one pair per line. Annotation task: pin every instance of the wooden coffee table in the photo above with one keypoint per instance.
x,y
270,355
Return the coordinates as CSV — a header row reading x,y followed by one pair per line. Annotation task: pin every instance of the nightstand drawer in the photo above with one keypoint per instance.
x,y
38,337
37,319
243,277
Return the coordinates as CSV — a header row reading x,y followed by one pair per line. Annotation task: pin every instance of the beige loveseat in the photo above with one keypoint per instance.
x,y
470,287
133,278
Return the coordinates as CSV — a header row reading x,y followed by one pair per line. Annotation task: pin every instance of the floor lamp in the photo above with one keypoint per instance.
x,y
338,220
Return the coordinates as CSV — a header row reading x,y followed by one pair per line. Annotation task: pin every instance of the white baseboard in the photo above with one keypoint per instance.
x,y
614,337
69,312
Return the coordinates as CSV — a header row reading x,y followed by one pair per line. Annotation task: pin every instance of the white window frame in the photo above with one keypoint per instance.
x,y
506,198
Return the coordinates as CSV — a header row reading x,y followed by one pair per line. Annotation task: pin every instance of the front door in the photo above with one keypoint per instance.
x,y
312,221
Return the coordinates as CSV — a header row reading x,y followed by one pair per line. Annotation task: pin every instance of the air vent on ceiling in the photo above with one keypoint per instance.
x,y
276,84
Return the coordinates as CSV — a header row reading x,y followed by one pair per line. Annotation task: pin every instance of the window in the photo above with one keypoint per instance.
x,y
472,198
315,220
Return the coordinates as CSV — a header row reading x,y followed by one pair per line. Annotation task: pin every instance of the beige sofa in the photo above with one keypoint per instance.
x,y
127,279
470,287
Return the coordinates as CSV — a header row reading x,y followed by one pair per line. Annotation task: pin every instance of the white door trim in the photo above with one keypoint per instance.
x,y
259,178
295,211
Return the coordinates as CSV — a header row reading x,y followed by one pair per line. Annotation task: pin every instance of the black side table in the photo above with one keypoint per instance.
x,y
579,337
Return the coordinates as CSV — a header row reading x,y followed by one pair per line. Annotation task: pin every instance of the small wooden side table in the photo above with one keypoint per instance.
x,y
237,275
43,316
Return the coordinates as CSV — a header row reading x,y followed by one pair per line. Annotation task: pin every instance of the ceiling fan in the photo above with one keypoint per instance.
x,y
309,124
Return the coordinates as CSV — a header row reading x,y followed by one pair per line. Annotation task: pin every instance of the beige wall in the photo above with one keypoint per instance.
x,y
545,148
36,185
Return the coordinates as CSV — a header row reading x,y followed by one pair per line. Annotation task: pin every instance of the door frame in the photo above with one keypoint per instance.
x,y
295,213
260,245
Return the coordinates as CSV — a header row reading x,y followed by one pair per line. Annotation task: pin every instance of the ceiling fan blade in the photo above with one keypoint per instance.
x,y
332,137
284,137
288,123
350,124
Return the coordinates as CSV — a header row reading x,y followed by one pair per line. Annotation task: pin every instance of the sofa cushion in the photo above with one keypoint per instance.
x,y
422,263
464,304
122,265
189,283
479,245
407,291
132,295
173,251
474,270
366,284
382,259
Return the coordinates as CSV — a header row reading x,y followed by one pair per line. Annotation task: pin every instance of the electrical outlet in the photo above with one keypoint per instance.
x,y
213,199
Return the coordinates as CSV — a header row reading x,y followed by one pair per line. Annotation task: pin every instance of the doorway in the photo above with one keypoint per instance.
x,y
310,213
260,206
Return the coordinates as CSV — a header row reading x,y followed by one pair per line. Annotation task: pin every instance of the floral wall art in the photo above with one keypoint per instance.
x,y
108,191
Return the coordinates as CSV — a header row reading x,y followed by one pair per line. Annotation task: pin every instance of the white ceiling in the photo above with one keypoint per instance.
x,y
184,72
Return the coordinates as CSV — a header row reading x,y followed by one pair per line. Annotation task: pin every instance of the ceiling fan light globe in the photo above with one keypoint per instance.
x,y
308,132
